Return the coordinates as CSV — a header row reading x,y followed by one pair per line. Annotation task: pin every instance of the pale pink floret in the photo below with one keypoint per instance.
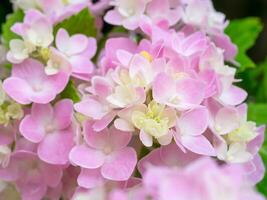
x,y
34,85
104,155
236,139
189,132
96,106
36,28
110,60
36,31
79,49
126,13
181,93
50,127
163,13
31,176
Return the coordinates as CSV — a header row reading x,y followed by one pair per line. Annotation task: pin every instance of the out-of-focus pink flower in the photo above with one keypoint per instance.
x,y
201,14
52,129
215,182
167,156
31,176
34,84
102,155
58,10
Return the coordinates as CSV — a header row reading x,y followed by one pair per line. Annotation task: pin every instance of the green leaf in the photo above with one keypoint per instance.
x,y
244,32
70,92
261,80
258,112
83,23
7,34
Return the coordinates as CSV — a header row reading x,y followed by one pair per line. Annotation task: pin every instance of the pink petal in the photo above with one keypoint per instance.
x,y
19,94
62,40
166,139
63,113
194,122
86,157
146,139
243,110
190,91
234,96
96,140
153,158
29,70
81,65
91,48
198,144
91,108
58,81
32,187
255,145
90,178
47,170
101,86
113,17
78,43
124,160
226,120
104,122
123,125
173,156
124,57
55,148
119,139
31,130
163,92
42,112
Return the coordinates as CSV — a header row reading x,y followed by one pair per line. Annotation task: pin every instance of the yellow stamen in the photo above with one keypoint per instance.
x,y
146,55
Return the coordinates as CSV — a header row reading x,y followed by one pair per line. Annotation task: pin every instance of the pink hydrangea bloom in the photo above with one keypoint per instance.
x,y
101,156
159,96
51,128
35,85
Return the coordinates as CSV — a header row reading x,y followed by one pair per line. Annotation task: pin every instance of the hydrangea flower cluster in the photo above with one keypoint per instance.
x,y
158,114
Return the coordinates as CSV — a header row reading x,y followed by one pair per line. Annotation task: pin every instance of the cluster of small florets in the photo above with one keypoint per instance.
x,y
159,117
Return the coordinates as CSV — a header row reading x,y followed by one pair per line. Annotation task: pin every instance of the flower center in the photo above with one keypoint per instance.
x,y
152,122
146,55
49,128
245,133
107,150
